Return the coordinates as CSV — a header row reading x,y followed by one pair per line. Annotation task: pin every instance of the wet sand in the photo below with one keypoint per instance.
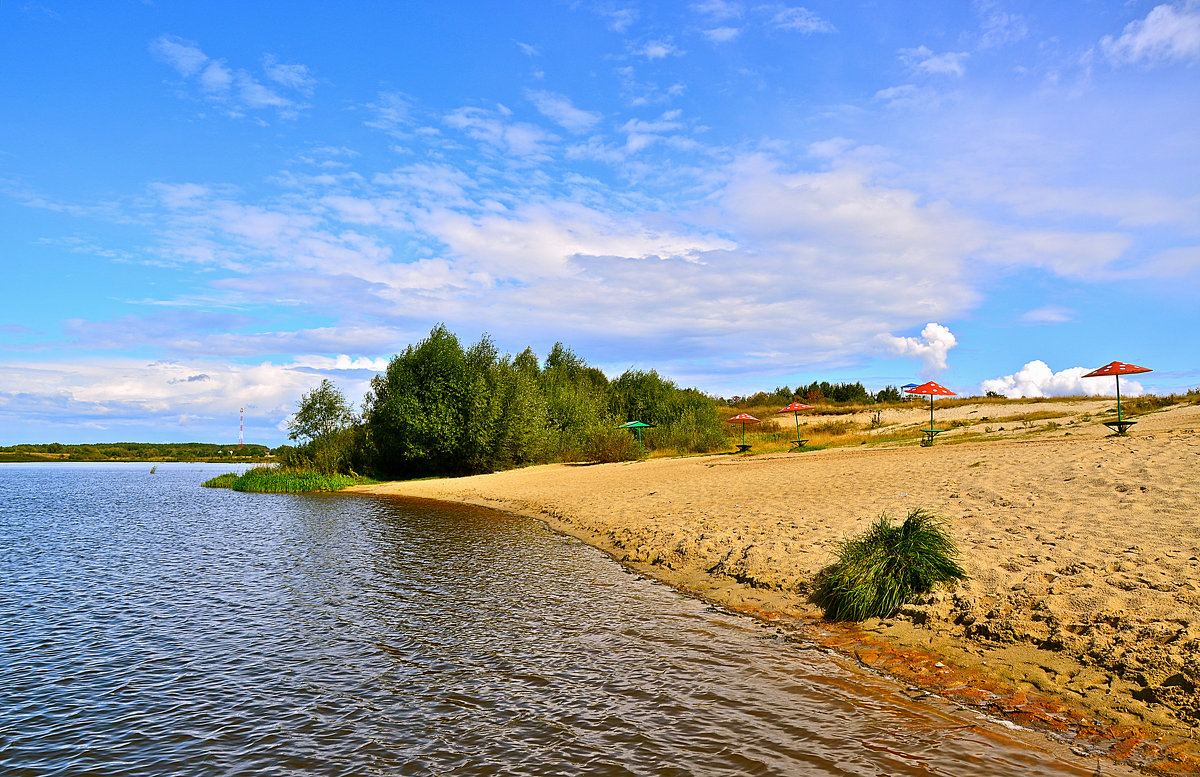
x,y
1083,550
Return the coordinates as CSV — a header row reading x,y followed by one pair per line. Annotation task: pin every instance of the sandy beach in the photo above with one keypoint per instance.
x,y
1082,549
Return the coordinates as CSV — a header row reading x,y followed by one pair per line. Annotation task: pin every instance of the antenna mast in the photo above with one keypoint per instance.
x,y
241,426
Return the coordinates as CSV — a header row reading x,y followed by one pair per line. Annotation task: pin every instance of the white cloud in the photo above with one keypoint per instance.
x,y
922,60
659,49
183,55
235,90
999,27
1067,254
540,240
1170,32
800,19
619,19
722,34
1036,379
562,111
717,10
1049,314
108,395
931,347
495,128
291,76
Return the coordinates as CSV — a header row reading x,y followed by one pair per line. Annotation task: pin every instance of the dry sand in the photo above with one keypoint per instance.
x,y
1083,550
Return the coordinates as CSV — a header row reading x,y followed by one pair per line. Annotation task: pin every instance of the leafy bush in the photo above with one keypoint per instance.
x,y
886,566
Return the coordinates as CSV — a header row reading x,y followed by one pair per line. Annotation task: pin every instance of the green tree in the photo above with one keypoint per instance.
x,y
319,413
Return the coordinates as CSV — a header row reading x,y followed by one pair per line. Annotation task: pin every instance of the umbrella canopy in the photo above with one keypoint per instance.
x,y
795,409
743,419
636,426
932,389
1117,369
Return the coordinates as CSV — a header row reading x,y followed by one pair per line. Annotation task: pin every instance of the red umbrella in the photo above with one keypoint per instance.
x,y
932,389
795,409
1117,369
743,419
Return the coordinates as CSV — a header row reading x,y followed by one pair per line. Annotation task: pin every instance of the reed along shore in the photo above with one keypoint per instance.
x,y
1082,549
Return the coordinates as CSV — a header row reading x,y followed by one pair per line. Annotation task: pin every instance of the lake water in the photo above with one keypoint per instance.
x,y
151,626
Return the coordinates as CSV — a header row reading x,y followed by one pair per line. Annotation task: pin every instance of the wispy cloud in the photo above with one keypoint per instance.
x,y
923,60
1049,314
237,90
563,112
799,19
722,34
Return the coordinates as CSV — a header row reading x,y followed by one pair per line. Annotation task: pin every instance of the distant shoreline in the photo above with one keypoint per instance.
x,y
1082,611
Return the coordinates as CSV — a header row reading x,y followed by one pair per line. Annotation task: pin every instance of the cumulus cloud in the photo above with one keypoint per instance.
x,y
1170,32
1036,379
931,347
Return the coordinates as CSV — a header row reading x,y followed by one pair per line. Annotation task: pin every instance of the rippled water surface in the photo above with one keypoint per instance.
x,y
151,626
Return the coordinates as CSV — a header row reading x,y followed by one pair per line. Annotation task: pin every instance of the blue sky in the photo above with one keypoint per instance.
x,y
209,206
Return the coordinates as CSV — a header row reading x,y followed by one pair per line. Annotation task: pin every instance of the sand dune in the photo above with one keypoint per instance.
x,y
1083,550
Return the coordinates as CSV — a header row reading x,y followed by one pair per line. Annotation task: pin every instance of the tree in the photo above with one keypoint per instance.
x,y
320,413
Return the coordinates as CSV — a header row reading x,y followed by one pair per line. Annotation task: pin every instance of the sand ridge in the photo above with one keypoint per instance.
x,y
1083,550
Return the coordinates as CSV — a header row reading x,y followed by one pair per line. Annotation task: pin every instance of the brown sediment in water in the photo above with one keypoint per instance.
x,y
1082,611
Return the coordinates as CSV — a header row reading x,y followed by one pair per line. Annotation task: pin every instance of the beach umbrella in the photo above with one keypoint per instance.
x,y
932,390
637,426
743,419
1117,369
795,409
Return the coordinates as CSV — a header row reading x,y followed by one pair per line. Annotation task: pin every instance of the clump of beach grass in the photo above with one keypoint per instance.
x,y
886,566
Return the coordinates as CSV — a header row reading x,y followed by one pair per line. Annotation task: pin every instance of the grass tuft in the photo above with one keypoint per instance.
x,y
883,568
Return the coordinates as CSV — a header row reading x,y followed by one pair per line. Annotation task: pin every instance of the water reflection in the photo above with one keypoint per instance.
x,y
148,625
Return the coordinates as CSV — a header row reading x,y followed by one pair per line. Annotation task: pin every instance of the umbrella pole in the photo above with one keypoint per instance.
x,y
743,432
797,417
931,411
1118,400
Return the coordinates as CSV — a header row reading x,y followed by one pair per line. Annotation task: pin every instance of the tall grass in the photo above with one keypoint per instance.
x,y
273,480
885,567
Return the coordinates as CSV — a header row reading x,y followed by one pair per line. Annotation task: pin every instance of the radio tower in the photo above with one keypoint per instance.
x,y
241,425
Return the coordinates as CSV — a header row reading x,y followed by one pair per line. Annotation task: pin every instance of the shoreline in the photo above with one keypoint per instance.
x,y
1081,612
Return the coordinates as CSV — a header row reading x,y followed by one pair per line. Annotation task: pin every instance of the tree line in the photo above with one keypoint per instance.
x,y
444,409
822,393
132,451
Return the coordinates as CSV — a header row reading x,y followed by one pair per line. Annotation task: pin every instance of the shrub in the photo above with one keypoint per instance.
x,y
886,566
605,444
